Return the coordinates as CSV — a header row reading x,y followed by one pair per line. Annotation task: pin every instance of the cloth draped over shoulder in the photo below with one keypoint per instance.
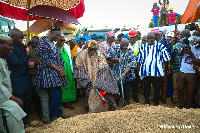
x,y
95,70
104,80
67,48
68,90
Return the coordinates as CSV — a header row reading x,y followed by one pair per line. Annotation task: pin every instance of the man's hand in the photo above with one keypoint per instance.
x,y
196,67
62,73
12,91
27,51
169,69
38,61
193,42
123,75
189,52
17,100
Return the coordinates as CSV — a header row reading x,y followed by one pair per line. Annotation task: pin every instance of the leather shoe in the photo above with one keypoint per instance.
x,y
163,101
53,118
47,121
64,116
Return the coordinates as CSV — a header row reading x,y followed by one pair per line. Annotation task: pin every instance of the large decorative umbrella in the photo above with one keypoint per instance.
x,y
53,12
16,13
27,4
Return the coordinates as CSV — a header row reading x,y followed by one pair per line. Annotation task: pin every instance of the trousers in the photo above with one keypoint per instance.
x,y
186,89
157,84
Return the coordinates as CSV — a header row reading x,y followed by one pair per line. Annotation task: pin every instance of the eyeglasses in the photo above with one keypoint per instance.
x,y
62,40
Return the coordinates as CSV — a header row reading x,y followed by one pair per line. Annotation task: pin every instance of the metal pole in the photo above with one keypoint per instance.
x,y
28,18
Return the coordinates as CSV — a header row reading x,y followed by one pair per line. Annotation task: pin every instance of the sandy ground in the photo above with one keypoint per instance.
x,y
79,106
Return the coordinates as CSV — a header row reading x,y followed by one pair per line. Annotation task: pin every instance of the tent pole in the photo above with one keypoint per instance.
x,y
28,18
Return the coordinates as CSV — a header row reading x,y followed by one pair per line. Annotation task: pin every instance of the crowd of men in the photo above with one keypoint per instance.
x,y
51,71
164,13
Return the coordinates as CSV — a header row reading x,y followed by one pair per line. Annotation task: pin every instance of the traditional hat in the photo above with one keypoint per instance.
x,y
92,44
110,34
171,34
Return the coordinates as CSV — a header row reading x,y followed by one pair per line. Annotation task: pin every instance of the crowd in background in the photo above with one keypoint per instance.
x,y
51,72
163,12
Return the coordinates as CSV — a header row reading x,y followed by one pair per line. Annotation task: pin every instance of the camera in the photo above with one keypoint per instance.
x,y
185,41
187,46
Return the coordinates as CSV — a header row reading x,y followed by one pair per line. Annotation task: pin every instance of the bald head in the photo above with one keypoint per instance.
x,y
196,33
16,36
124,44
185,33
15,32
124,40
151,34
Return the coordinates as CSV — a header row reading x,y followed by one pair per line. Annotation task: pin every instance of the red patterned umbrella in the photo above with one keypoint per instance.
x,y
17,13
53,12
17,8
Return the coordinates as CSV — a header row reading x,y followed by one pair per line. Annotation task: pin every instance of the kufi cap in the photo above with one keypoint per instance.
x,y
110,34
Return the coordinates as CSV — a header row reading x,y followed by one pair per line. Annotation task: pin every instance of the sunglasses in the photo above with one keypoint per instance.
x,y
62,40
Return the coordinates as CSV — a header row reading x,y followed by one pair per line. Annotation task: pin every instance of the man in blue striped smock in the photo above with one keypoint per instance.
x,y
50,76
151,63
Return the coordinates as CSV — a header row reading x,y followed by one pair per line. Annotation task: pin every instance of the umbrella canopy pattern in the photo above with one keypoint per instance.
x,y
12,12
64,4
78,10
42,25
52,12
16,13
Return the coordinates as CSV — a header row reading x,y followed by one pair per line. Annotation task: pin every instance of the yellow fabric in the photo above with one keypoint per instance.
x,y
74,51
136,48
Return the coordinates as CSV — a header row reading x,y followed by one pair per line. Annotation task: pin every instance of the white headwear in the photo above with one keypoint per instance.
x,y
169,34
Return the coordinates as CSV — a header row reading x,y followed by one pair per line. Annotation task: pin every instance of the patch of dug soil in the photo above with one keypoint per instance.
x,y
133,118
